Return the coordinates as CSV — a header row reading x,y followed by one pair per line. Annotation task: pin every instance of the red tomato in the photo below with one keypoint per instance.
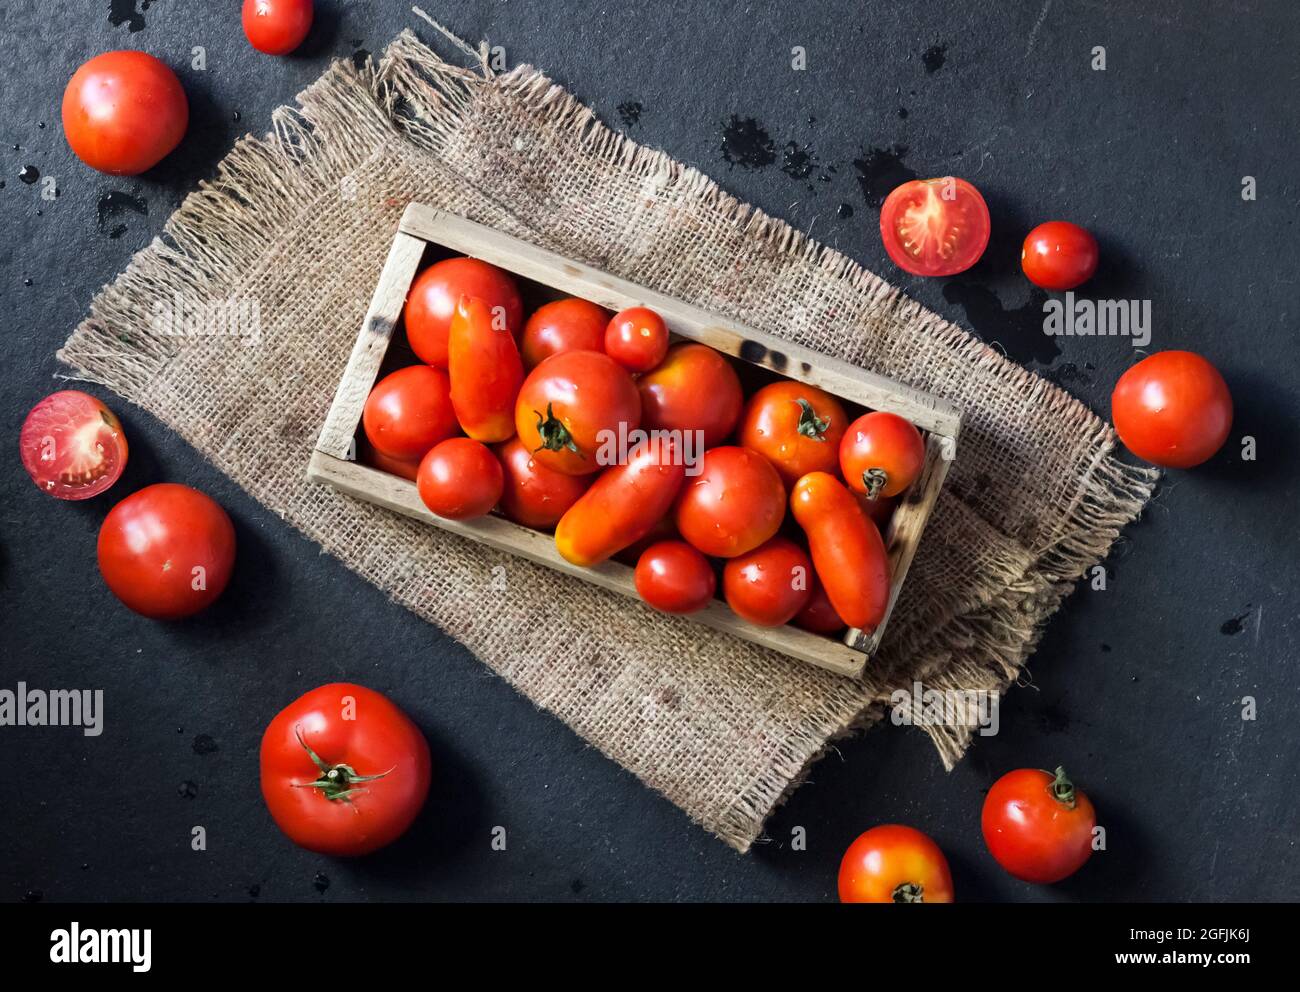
x,y
637,338
486,372
663,530
534,495
460,478
368,454
798,427
277,27
344,771
880,510
436,291
673,577
409,411
572,404
769,585
1059,255
123,112
881,455
894,864
1038,826
1172,409
565,325
736,503
819,615
935,227
167,551
693,388
72,446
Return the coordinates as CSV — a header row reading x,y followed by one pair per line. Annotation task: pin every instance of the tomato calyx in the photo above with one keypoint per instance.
x,y
1062,789
875,479
553,434
811,425
336,782
909,892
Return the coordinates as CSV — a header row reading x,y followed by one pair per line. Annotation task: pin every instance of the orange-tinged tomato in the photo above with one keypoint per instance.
x,y
534,495
736,503
694,388
564,325
769,585
673,577
460,479
637,338
485,370
433,296
797,426
408,412
1172,409
893,863
881,454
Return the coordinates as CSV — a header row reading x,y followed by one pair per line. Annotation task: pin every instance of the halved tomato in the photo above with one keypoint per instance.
x,y
72,445
935,227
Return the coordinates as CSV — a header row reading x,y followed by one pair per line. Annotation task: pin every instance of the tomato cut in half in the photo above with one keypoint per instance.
x,y
72,445
935,227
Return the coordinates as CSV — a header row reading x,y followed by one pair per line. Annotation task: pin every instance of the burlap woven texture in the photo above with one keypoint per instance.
x,y
300,222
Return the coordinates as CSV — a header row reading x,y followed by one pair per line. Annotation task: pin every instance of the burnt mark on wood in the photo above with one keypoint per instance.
x,y
380,325
759,354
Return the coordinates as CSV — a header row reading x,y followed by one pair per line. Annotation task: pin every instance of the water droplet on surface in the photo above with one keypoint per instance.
x,y
188,789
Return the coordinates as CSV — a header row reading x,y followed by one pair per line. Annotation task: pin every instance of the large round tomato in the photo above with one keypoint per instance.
x,y
344,771
570,324
167,551
673,577
798,427
769,585
894,864
277,27
693,389
1173,409
123,112
734,504
935,227
460,478
409,411
436,291
881,454
534,495
1037,825
1059,255
637,338
72,446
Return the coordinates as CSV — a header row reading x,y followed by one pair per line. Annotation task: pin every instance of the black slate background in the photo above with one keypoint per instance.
x,y
1136,688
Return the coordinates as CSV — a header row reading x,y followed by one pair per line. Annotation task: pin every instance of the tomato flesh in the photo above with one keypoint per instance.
x,y
72,445
935,227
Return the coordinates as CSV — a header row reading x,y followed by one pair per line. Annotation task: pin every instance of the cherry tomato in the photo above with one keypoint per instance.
x,y
277,27
673,577
565,325
881,455
436,291
818,615
935,227
736,503
408,412
637,338
534,495
344,771
486,372
1059,255
167,551
769,585
123,112
72,446
693,389
571,405
894,864
1037,825
460,478
1172,409
798,427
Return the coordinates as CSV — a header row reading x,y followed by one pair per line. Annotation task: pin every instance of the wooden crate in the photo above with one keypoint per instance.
x,y
424,230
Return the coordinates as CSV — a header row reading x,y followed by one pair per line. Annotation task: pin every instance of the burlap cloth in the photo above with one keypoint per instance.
x,y
300,222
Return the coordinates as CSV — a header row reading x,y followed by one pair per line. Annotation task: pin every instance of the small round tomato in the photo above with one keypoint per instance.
x,y
72,445
1037,825
894,864
167,551
436,291
935,227
563,325
1172,409
769,585
673,577
881,454
734,504
344,771
277,27
797,426
573,404
818,615
693,389
409,411
460,478
124,112
534,495
637,338
1059,255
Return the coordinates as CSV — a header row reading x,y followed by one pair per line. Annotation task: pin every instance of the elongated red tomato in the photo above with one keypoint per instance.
x,y
894,863
673,577
460,479
796,426
433,296
733,505
1172,409
534,495
1037,825
935,227
408,412
72,445
769,585
881,454
486,372
693,389
570,324
277,27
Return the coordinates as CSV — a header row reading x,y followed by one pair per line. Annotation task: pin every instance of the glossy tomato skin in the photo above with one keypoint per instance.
x,y
1059,255
935,227
734,504
72,445
673,577
769,585
1172,409
881,454
460,478
694,388
167,551
344,725
1037,825
534,495
406,468
485,370
408,412
796,426
433,296
893,863
637,338
570,324
818,615
124,112
277,27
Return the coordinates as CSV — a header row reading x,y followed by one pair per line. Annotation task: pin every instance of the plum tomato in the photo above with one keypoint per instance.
x,y
409,411
935,227
797,426
167,551
881,454
460,478
72,445
818,615
637,338
1172,409
769,585
893,863
693,389
436,291
1059,255
673,577
534,495
277,27
1037,825
124,112
570,324
734,504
